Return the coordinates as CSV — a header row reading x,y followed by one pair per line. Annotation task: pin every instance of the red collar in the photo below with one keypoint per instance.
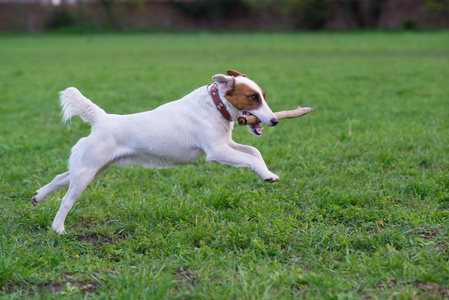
x,y
218,103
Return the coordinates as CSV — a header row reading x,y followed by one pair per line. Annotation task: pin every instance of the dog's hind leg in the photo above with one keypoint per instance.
x,y
78,182
58,182
89,158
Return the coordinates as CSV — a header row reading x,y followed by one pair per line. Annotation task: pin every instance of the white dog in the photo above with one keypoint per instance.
x,y
178,132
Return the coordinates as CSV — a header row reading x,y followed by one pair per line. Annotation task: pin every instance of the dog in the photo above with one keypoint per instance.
x,y
177,132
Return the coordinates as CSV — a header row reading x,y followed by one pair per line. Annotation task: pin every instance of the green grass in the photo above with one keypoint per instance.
x,y
361,211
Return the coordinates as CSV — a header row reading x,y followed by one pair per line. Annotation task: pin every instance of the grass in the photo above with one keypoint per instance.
x,y
361,211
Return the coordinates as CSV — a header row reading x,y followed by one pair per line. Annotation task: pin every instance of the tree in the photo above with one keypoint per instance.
x,y
107,6
438,5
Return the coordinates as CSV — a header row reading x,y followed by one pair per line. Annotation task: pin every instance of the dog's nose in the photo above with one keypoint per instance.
x,y
274,122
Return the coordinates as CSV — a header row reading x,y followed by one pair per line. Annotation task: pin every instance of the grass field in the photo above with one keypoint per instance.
x,y
361,210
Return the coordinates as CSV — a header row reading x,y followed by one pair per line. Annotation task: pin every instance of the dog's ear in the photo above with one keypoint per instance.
x,y
226,82
235,73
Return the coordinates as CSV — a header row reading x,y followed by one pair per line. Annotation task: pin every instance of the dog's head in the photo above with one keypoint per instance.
x,y
246,96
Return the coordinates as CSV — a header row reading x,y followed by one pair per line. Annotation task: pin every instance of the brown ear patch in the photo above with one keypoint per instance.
x,y
235,73
241,97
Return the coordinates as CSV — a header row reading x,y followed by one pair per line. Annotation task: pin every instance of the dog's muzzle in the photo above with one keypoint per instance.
x,y
273,122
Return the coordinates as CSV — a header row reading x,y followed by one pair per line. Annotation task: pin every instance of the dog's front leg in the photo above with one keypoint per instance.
x,y
230,156
248,149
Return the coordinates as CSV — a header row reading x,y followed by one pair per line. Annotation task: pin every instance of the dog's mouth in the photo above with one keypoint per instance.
x,y
255,129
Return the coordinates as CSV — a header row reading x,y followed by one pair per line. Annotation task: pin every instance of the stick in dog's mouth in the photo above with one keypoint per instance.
x,y
248,119
254,127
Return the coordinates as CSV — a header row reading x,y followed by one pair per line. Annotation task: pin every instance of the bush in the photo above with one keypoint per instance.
x,y
311,14
59,17
208,9
409,24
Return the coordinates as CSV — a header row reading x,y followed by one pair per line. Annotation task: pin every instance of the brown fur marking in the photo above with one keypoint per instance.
x,y
235,73
239,97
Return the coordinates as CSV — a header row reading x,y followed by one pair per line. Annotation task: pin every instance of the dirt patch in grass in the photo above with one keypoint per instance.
x,y
185,278
430,289
71,286
437,236
429,234
97,240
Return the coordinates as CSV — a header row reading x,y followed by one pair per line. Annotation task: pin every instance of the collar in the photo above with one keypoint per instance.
x,y
218,103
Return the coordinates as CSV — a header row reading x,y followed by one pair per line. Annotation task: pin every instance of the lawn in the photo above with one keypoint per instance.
x,y
361,209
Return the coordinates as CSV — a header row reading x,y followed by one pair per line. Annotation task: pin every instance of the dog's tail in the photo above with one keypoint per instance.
x,y
73,103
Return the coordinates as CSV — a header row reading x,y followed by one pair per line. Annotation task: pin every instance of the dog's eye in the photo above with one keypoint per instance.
x,y
254,97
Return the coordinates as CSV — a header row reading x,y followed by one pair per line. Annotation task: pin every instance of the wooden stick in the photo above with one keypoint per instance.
x,y
288,114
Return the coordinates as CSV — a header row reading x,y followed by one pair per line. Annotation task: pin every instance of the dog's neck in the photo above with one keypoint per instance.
x,y
220,103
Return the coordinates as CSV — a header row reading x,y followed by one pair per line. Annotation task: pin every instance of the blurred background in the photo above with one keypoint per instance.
x,y
268,15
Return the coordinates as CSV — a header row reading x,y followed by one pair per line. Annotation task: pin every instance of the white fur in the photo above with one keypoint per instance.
x,y
177,132
73,103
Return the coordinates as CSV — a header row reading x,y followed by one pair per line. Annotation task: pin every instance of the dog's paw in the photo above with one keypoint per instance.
x,y
58,228
34,200
272,178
